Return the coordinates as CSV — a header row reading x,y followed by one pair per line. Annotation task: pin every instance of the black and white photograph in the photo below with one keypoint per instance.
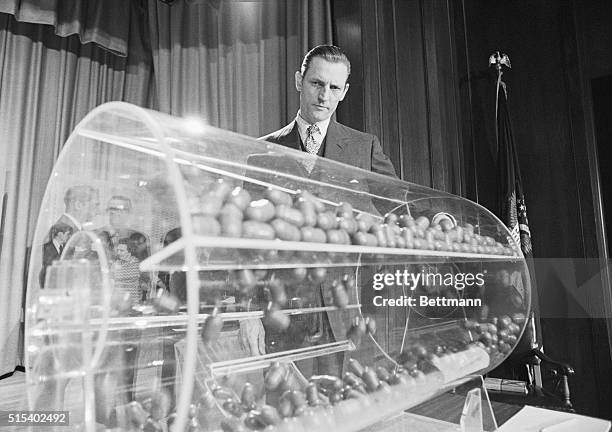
x,y
305,215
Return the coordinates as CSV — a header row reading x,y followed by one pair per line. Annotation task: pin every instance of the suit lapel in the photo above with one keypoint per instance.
x,y
290,136
335,143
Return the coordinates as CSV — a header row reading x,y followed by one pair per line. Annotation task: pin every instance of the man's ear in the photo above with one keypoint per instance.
x,y
346,87
298,81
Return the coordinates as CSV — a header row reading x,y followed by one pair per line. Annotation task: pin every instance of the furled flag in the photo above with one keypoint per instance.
x,y
512,208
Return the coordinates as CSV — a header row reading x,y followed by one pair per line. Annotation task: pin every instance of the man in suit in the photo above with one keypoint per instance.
x,y
81,206
52,250
322,82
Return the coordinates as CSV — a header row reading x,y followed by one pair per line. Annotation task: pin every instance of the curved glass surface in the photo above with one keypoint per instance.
x,y
186,275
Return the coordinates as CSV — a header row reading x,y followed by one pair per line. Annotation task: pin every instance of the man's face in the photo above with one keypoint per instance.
x,y
321,88
62,237
87,210
118,213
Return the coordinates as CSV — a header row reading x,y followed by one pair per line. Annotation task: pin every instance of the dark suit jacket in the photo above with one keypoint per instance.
x,y
352,147
50,254
342,144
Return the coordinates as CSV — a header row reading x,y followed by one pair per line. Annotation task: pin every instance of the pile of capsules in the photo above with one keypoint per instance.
x,y
321,394
231,212
499,334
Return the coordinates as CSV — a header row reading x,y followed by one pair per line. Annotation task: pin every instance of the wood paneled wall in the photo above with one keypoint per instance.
x,y
404,85
550,118
421,82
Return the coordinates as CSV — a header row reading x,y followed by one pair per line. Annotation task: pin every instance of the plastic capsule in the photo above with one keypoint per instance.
x,y
371,380
247,279
352,393
223,393
356,331
340,296
308,211
232,407
317,274
276,320
279,197
277,292
298,399
351,379
370,325
312,394
240,198
275,376
269,415
355,367
329,382
253,421
335,397
212,327
398,378
247,397
285,407
383,374
298,411
299,273
207,401
361,388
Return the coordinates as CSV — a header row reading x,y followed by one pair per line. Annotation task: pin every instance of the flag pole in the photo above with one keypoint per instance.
x,y
499,61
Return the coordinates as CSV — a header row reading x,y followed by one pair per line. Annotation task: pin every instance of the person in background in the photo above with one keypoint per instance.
x,y
119,210
128,247
52,250
81,206
125,272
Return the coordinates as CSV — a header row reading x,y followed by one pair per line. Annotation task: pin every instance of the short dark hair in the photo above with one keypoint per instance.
x,y
331,53
81,193
60,227
138,246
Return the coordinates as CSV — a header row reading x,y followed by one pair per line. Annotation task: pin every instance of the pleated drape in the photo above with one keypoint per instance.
x,y
233,64
102,22
47,84
230,62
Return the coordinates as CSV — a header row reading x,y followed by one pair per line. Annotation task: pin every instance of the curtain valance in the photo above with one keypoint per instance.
x,y
103,22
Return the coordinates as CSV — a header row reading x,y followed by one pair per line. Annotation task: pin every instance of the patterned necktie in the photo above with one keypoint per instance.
x,y
312,146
